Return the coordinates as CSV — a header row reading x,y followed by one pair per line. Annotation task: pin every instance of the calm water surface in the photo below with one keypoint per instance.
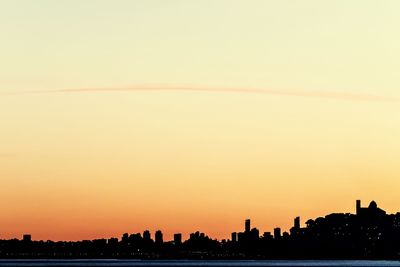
x,y
138,263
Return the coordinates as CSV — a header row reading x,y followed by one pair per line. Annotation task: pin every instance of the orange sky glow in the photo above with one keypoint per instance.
x,y
194,115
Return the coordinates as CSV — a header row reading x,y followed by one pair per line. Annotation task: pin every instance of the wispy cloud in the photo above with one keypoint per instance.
x,y
339,95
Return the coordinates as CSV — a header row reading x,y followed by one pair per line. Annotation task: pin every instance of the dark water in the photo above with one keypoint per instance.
x,y
220,263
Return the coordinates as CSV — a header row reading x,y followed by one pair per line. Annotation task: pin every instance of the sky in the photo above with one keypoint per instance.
x,y
121,116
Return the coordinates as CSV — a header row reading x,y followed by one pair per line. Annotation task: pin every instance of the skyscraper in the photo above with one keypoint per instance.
x,y
159,237
277,233
178,239
247,225
234,237
146,235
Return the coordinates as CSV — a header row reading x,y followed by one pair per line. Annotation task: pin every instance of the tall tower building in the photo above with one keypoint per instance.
x,y
234,237
358,206
159,237
146,235
277,233
247,225
178,239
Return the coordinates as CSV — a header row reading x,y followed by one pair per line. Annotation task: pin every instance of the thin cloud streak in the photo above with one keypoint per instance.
x,y
339,95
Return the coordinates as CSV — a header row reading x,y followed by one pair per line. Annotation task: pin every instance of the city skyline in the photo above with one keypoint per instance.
x,y
253,232
275,233
368,233
180,115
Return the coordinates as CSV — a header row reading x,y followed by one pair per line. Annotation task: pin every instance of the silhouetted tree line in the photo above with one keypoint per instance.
x,y
368,234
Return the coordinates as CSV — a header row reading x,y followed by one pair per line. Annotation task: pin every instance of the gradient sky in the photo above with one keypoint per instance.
x,y
274,109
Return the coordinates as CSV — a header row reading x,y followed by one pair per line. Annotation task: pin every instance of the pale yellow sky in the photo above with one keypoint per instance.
x,y
84,164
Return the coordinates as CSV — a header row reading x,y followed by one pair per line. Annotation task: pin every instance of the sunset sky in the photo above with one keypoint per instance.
x,y
182,115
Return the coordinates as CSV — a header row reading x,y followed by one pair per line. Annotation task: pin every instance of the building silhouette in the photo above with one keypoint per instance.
x,y
247,225
277,233
370,233
159,237
234,237
296,223
178,239
146,235
27,238
371,211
